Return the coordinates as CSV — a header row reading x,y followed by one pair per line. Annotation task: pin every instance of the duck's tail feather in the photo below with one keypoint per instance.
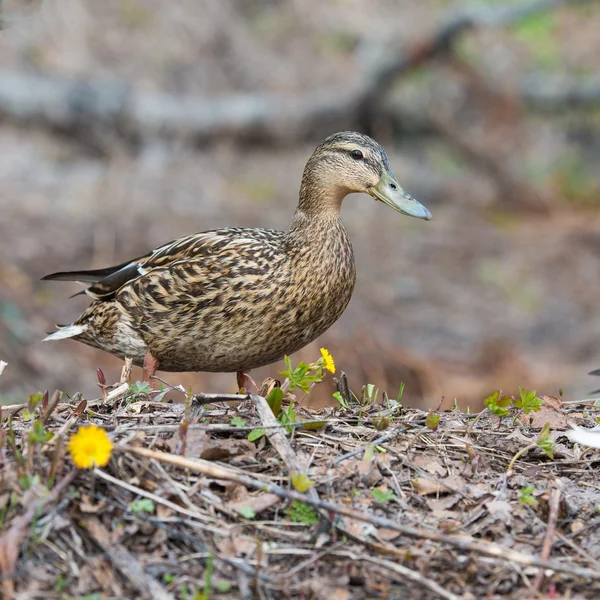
x,y
65,332
90,276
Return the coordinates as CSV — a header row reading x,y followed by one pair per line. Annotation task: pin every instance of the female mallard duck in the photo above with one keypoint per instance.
x,y
235,299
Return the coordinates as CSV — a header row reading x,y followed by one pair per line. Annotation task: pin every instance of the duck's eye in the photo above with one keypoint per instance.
x,y
356,155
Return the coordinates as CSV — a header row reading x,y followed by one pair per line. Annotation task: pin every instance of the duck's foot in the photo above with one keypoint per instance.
x,y
150,368
246,383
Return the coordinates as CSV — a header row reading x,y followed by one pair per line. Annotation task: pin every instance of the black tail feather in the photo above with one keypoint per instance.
x,y
90,276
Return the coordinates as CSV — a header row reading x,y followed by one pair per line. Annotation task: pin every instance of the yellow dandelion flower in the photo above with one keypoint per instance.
x,y
327,360
90,447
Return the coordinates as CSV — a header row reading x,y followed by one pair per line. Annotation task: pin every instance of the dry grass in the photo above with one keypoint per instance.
x,y
398,509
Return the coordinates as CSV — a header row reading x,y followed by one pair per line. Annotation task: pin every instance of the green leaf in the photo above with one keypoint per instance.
x,y
247,512
528,402
340,399
301,482
382,496
256,434
38,434
34,400
139,387
498,405
274,400
237,422
544,442
526,496
223,587
142,505
433,421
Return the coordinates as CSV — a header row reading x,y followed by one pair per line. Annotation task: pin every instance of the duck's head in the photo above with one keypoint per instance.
x,y
348,162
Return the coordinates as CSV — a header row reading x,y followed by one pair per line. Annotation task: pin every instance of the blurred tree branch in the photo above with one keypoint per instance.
x,y
97,111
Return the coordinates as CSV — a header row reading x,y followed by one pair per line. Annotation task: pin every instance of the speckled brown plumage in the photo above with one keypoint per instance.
x,y
237,298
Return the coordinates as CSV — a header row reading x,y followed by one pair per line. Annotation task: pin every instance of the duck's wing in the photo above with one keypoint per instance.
x,y
107,282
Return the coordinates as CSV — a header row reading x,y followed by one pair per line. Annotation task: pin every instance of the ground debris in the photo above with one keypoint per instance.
x,y
338,509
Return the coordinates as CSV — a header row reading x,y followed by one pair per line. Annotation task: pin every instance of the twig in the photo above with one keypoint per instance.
x,y
380,440
464,543
222,427
404,572
126,563
553,505
158,500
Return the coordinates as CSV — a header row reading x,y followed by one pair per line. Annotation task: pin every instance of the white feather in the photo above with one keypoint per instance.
x,y
65,332
585,437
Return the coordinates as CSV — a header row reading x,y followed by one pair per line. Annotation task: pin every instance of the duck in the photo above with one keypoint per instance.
x,y
237,298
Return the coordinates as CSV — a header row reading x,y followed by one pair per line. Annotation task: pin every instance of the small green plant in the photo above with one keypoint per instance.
x,y
38,435
543,442
433,421
301,482
223,587
383,496
60,584
142,505
237,422
528,402
274,400
526,497
168,578
498,405
137,389
208,573
298,512
256,434
340,399
247,512
303,376
369,395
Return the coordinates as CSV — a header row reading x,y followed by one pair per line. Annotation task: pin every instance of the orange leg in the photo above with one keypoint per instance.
x,y
246,383
150,368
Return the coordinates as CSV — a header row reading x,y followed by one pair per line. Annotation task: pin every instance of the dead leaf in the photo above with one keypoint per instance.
x,y
429,464
235,546
387,535
427,487
437,505
88,507
500,509
256,503
551,412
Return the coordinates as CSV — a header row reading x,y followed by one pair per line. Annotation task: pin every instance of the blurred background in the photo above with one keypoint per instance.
x,y
127,123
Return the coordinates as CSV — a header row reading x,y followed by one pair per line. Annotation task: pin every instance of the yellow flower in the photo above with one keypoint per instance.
x,y
90,447
327,360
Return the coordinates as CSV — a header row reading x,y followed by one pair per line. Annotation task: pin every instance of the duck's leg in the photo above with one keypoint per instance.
x,y
150,368
246,383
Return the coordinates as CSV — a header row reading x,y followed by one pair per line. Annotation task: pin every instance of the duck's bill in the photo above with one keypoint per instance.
x,y
389,191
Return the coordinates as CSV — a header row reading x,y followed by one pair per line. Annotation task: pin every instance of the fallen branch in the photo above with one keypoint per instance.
x,y
464,543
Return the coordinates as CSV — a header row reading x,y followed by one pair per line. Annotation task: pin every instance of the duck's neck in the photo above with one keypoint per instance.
x,y
319,204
